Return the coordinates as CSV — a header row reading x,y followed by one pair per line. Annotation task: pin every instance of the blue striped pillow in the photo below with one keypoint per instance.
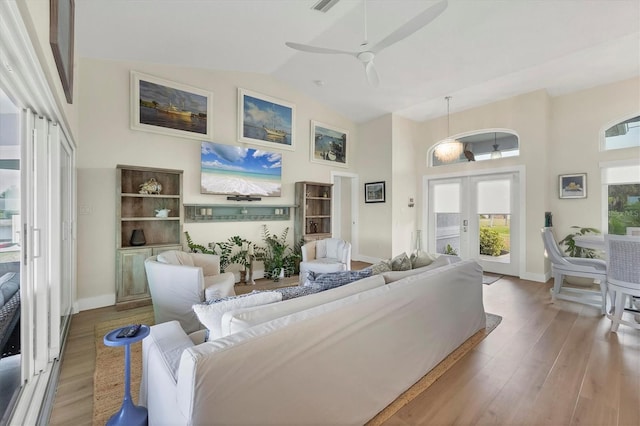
x,y
329,280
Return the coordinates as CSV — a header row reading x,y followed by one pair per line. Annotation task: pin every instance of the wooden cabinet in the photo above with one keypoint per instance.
x,y
313,215
136,211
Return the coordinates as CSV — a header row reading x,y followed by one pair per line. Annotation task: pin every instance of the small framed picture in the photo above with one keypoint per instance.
x,y
265,121
374,192
162,106
573,186
328,144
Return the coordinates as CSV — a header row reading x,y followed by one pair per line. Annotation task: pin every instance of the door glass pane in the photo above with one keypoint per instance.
x,y
446,206
494,218
10,251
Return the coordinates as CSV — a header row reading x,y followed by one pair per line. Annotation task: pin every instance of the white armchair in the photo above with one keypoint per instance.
x,y
328,255
179,280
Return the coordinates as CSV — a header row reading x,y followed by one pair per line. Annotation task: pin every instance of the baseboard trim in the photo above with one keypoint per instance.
x,y
541,278
96,302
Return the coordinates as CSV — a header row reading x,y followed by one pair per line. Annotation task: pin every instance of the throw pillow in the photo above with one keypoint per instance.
x,y
421,259
378,268
401,263
328,280
210,313
296,291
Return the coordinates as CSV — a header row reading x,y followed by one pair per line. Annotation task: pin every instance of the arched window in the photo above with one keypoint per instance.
x,y
625,134
477,146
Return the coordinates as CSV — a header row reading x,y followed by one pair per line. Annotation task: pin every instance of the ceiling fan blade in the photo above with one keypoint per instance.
x,y
372,74
412,26
314,49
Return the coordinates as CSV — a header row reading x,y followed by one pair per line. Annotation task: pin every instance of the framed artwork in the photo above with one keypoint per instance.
x,y
236,170
573,186
266,121
374,192
61,34
328,144
170,108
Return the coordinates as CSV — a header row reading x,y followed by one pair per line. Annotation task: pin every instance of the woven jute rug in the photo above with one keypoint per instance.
x,y
108,378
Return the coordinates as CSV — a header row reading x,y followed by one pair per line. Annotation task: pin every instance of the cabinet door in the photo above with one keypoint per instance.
x,y
132,278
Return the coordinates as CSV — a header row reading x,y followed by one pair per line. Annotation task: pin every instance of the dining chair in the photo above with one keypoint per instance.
x,y
633,231
562,266
623,278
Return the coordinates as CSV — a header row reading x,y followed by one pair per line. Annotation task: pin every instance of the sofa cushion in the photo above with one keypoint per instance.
x,y
421,259
326,281
401,263
210,313
238,320
440,261
175,257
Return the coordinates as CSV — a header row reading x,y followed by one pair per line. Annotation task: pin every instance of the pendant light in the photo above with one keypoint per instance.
x,y
495,153
449,149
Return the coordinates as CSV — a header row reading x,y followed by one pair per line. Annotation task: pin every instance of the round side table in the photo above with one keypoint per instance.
x,y
129,414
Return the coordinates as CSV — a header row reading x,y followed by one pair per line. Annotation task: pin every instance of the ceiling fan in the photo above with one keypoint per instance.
x,y
367,54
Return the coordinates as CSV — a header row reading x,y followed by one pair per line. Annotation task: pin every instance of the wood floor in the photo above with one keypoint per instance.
x,y
546,364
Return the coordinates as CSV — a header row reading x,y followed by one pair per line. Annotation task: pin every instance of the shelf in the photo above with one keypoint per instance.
x,y
140,219
149,195
200,213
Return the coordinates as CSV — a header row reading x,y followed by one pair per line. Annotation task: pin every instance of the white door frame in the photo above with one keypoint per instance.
x,y
337,208
521,189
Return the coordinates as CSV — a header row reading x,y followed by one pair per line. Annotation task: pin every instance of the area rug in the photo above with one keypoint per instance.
x,y
108,378
437,371
490,279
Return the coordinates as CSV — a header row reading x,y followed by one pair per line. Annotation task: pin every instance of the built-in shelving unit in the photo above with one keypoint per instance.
x,y
136,211
235,213
313,217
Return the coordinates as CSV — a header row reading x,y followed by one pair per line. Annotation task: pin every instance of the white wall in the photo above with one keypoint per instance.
x,y
404,184
107,140
373,165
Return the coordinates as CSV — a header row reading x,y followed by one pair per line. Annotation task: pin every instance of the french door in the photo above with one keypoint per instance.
x,y
476,217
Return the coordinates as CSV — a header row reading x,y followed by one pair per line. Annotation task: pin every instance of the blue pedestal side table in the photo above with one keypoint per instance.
x,y
129,414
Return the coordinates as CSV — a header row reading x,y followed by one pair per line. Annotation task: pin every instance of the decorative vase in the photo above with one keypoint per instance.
x,y
137,238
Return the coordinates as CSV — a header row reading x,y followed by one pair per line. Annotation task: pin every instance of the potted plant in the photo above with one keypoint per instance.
x,y
277,256
576,251
225,250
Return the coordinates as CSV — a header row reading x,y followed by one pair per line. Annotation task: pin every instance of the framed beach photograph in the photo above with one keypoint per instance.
x,y
328,144
266,121
163,106
236,170
374,192
573,186
61,35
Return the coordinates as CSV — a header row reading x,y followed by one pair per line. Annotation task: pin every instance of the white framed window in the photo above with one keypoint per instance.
x,y
622,134
620,196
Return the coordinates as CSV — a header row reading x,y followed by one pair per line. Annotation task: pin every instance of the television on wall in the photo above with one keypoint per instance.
x,y
235,170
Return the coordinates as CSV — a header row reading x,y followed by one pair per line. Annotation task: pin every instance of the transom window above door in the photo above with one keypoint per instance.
x,y
478,146
625,134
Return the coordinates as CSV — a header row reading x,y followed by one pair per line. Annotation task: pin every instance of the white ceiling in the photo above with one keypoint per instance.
x,y
477,51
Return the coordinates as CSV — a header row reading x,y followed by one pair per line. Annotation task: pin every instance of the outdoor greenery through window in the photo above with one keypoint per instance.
x,y
624,207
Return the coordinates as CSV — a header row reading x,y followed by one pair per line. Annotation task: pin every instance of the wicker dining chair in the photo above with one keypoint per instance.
x,y
623,278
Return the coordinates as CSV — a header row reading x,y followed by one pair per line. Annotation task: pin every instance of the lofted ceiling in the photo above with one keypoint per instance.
x,y
477,51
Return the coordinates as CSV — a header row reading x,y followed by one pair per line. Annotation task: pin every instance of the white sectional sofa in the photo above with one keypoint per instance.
x,y
335,357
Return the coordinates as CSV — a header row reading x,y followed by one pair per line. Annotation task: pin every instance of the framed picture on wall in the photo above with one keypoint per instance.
x,y
266,121
61,30
162,106
374,192
328,144
573,186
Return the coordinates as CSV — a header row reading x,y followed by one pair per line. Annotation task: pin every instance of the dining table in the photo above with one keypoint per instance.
x,y
595,242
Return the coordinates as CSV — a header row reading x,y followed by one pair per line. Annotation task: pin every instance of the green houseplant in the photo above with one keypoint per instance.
x,y
233,251
278,258
574,250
